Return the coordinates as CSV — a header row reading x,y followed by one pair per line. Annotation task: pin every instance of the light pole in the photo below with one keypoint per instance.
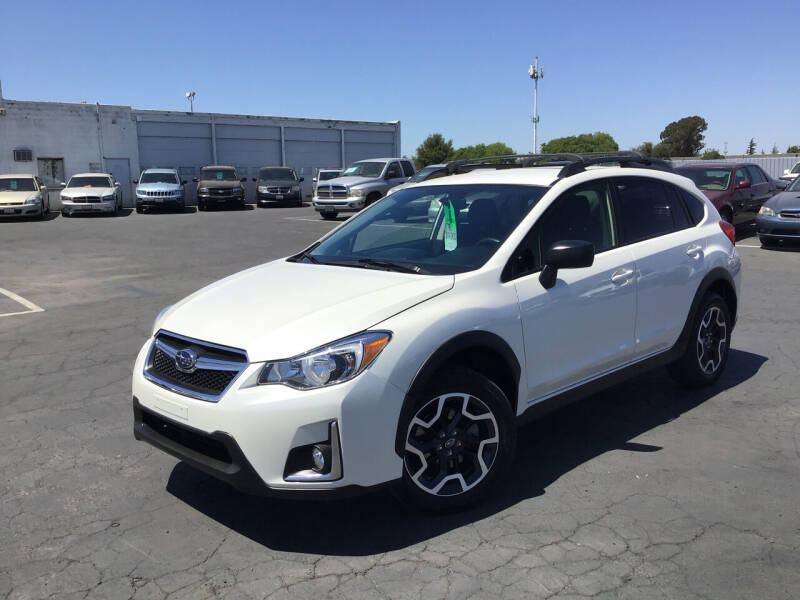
x,y
190,98
536,73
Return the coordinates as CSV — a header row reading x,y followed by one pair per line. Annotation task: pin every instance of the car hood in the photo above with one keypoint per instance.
x,y
80,192
9,196
216,183
157,187
350,180
784,201
282,309
278,182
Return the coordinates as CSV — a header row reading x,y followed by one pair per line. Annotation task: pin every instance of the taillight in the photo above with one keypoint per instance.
x,y
728,230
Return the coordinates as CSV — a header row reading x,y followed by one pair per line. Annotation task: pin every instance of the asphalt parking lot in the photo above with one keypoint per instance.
x,y
643,491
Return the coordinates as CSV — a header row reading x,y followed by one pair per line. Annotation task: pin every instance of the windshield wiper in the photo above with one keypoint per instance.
x,y
387,264
306,254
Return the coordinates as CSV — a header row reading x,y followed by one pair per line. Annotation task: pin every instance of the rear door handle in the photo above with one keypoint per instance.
x,y
621,276
694,250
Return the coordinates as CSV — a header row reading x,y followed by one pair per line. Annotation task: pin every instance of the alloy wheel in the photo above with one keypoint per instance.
x,y
451,444
712,337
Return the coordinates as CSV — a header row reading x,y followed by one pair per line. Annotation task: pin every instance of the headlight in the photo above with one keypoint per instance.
x,y
336,363
34,200
107,198
202,191
356,193
158,318
262,189
238,190
766,211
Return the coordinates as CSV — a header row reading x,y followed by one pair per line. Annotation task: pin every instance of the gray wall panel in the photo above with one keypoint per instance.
x,y
354,152
247,132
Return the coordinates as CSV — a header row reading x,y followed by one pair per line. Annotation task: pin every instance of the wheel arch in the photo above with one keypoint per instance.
x,y
718,281
483,352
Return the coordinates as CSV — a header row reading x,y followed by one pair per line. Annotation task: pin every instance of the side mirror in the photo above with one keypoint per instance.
x,y
62,184
743,185
566,254
243,179
313,180
302,179
195,179
116,184
183,182
136,181
254,179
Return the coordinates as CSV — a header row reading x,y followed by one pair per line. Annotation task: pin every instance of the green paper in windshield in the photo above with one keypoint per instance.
x,y
450,231
13,184
219,175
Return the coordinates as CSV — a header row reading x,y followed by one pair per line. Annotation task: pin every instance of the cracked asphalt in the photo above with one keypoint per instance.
x,y
643,491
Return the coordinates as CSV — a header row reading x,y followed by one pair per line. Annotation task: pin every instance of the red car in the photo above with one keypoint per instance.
x,y
737,190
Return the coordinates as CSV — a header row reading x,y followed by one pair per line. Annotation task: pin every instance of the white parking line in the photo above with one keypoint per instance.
x,y
312,220
746,246
32,308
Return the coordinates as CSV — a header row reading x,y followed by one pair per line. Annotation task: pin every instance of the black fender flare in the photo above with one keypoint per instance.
x,y
438,359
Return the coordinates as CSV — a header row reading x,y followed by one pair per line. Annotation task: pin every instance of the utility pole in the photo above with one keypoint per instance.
x,y
190,98
536,73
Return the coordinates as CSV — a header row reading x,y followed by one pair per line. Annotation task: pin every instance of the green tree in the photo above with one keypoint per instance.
x,y
711,154
751,147
775,149
662,150
684,137
482,151
585,142
435,149
793,150
645,148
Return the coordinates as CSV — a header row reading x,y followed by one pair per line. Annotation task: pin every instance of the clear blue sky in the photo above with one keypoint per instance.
x,y
459,68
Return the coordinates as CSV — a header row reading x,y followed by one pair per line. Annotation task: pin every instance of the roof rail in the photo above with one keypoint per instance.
x,y
575,162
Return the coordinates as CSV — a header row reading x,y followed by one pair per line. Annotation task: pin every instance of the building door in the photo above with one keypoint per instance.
x,y
51,172
120,168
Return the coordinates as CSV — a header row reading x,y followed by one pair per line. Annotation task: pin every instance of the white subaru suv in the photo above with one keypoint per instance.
x,y
427,343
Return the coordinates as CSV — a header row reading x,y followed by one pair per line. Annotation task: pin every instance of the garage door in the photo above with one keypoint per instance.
x,y
359,145
173,145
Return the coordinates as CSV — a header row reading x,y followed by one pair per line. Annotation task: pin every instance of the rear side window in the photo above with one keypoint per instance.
x,y
644,209
408,170
696,208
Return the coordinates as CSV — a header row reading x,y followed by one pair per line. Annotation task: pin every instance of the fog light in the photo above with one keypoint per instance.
x,y
318,456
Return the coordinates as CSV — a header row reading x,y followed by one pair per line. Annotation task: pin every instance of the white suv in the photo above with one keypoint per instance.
x,y
425,344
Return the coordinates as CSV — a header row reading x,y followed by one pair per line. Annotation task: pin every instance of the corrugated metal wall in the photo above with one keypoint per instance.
x,y
774,165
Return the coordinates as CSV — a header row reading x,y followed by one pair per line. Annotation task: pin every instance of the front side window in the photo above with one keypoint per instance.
x,y
756,176
581,213
471,222
741,175
170,178
90,182
22,184
277,174
644,209
365,169
408,169
219,175
393,171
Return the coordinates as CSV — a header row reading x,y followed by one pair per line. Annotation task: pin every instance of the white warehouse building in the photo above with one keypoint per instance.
x,y
57,139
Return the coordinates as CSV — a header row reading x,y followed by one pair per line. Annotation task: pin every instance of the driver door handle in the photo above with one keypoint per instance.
x,y
621,276
694,250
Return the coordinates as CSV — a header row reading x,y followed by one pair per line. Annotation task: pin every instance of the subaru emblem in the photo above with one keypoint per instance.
x,y
185,360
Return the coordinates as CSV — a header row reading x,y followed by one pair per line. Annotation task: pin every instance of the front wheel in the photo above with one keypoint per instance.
x,y
706,352
458,442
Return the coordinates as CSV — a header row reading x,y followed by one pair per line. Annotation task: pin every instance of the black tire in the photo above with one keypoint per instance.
x,y
766,242
64,212
707,349
442,430
201,205
329,216
371,198
139,210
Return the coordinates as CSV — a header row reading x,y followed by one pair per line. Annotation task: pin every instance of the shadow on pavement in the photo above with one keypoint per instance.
x,y
547,449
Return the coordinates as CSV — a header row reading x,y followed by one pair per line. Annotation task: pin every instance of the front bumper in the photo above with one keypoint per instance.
x,y
338,205
221,198
264,197
20,210
88,207
777,227
156,201
246,437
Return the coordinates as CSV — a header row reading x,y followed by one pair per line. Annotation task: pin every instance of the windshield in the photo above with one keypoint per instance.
x,y
708,179
90,182
795,186
159,178
438,230
796,168
326,175
365,169
282,174
17,185
425,174
218,175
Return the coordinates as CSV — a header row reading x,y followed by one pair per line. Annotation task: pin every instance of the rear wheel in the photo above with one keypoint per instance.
x,y
458,443
707,350
329,216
